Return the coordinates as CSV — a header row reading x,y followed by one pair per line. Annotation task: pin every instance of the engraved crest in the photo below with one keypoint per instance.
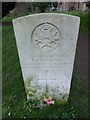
x,y
46,36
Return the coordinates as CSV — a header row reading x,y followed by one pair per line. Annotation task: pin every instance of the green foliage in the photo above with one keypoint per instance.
x,y
14,101
41,5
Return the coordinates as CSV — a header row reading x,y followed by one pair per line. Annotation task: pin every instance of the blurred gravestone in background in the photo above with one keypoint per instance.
x,y
20,7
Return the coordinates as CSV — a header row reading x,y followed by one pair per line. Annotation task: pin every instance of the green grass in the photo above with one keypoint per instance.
x,y
9,18
14,97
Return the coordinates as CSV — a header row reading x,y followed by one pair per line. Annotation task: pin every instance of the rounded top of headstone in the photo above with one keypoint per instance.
x,y
46,14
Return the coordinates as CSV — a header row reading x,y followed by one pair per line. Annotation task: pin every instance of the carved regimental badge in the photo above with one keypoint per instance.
x,y
46,36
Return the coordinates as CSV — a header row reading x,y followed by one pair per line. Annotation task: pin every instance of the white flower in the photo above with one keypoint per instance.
x,y
9,114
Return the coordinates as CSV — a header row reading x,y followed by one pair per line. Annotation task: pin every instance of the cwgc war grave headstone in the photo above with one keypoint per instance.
x,y
46,45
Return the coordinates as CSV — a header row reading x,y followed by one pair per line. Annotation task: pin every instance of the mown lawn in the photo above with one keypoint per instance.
x,y
14,102
9,18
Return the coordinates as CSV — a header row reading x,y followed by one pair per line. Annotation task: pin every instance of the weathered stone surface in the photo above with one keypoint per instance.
x,y
46,45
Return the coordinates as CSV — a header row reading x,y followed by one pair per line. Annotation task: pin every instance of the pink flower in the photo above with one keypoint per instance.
x,y
49,101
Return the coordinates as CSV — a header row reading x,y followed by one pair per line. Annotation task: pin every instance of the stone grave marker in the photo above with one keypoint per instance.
x,y
46,44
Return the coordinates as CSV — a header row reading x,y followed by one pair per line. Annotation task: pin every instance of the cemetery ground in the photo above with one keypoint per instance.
x,y
15,104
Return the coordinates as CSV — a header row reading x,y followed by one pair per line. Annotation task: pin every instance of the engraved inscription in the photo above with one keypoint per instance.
x,y
46,36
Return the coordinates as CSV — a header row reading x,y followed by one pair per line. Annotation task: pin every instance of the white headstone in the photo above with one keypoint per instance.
x,y
46,45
